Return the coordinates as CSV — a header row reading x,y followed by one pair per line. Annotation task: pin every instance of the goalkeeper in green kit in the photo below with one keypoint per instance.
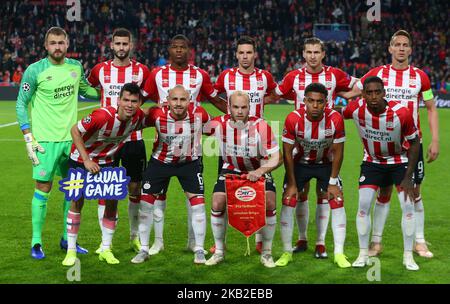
x,y
51,85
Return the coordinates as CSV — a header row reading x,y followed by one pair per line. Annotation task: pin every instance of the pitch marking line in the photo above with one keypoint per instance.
x,y
15,123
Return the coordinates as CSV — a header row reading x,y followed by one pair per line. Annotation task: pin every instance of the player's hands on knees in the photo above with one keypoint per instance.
x,y
432,152
334,192
91,166
290,191
407,186
254,175
32,147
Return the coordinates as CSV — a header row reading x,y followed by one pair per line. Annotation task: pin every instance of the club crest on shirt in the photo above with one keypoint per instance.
x,y
328,84
135,77
73,74
192,82
107,78
390,124
260,83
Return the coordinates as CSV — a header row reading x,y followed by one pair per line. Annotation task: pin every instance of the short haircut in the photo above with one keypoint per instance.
x,y
317,88
131,88
371,79
57,31
240,94
246,40
314,40
121,32
179,86
181,37
401,33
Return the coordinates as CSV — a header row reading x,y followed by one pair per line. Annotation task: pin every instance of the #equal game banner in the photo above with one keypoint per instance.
x,y
110,183
246,204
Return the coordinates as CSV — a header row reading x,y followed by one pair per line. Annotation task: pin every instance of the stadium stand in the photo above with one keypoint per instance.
x,y
213,26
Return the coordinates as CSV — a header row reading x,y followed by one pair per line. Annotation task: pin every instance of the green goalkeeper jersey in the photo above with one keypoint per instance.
x,y
53,92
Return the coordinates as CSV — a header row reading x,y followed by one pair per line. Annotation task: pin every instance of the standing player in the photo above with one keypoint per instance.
x,y
198,83
318,133
408,85
293,86
51,85
96,139
247,78
110,76
384,128
176,153
247,146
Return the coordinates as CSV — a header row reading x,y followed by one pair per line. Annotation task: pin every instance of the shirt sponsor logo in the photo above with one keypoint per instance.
x,y
245,194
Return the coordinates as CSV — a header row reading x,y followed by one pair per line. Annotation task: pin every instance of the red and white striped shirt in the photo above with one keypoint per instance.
x,y
314,138
406,86
382,135
334,79
178,141
243,149
104,134
111,78
257,85
164,78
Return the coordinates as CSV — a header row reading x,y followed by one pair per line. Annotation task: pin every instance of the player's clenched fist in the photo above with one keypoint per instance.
x,y
32,146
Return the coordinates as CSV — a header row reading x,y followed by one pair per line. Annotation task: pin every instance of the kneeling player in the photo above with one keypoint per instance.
x,y
176,153
384,128
96,139
247,146
319,135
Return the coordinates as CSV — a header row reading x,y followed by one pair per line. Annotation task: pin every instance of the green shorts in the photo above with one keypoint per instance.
x,y
53,161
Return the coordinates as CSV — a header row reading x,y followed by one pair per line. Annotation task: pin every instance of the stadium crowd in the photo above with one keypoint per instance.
x,y
214,26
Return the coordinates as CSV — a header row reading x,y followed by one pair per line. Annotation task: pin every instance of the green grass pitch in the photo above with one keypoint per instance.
x,y
175,264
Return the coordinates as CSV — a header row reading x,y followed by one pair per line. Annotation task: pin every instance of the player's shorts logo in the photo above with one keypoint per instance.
x,y
146,186
362,178
245,194
26,86
42,173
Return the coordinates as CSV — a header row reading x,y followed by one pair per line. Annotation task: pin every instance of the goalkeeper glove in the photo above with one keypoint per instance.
x,y
32,146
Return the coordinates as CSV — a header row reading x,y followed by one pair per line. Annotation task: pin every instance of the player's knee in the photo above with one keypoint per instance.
x,y
197,200
302,196
271,216
383,199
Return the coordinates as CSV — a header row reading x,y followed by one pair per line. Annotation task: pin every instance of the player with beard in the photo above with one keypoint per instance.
x,y
110,76
52,86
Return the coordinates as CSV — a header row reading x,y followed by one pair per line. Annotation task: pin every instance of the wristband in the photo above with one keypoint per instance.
x,y
28,137
333,181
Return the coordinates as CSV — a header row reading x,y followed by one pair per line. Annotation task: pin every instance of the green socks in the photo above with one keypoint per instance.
x,y
38,214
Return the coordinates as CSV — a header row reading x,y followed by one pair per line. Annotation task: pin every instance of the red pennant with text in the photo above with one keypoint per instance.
x,y
246,203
